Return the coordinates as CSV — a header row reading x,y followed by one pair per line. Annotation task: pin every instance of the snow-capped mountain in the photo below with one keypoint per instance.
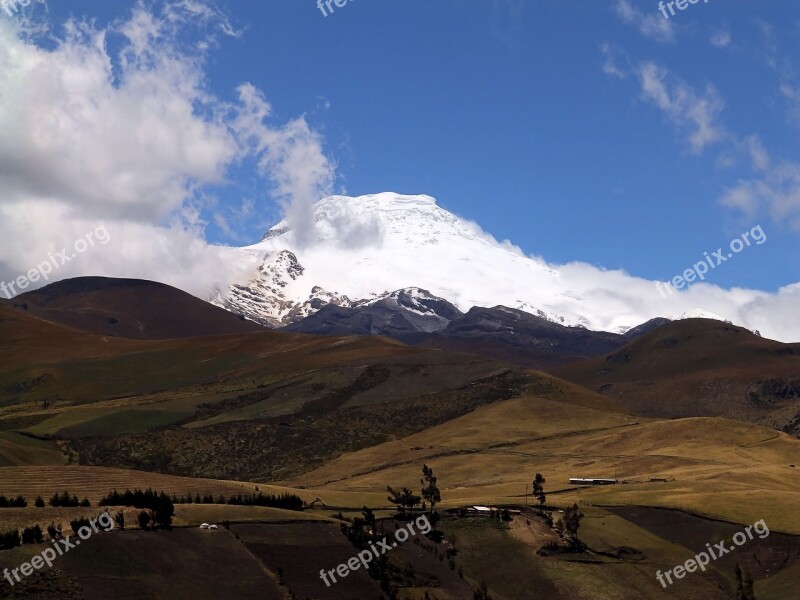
x,y
368,247
376,247
268,298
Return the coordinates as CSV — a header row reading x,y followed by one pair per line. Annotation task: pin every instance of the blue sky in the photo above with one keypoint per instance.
x,y
581,131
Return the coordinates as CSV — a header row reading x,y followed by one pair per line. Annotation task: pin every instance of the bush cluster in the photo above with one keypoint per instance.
x,y
65,500
18,502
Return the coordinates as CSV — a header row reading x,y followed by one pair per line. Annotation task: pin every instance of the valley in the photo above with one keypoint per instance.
x,y
335,420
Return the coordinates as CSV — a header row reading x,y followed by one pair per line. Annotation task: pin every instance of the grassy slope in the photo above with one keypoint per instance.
x,y
17,449
185,563
696,367
721,468
130,308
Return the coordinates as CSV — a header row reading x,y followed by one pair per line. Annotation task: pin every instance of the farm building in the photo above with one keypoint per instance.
x,y
592,481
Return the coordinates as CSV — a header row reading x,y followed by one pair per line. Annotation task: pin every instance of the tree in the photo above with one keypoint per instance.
x,y
369,518
163,511
32,535
572,521
403,499
119,519
744,585
559,527
430,491
10,539
482,593
39,503
538,488
143,519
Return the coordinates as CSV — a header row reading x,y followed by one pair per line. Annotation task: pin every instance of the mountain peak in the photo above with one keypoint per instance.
x,y
350,250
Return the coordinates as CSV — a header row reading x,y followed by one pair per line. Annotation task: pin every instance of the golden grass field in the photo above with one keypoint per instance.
x,y
726,469
735,471
492,434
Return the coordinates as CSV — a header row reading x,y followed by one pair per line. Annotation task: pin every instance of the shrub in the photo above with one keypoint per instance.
x,y
64,500
32,535
10,539
18,502
54,531
143,519
76,524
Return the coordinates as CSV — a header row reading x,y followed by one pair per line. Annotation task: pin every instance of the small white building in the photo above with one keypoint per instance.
x,y
592,481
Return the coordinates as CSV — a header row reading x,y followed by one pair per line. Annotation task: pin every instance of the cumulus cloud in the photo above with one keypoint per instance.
x,y
135,139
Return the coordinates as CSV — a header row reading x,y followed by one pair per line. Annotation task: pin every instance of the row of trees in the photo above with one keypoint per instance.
x,y
63,500
160,505
59,500
286,500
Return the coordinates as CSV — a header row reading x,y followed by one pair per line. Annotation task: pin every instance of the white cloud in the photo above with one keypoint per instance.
x,y
650,25
774,187
134,140
777,191
791,94
692,112
610,61
620,300
291,156
721,38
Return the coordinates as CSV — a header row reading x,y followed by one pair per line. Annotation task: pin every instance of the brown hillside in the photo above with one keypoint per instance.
x,y
130,308
700,367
